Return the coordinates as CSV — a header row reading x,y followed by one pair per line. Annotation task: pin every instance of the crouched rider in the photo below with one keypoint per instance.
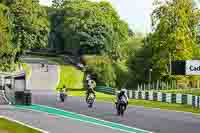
x,y
90,89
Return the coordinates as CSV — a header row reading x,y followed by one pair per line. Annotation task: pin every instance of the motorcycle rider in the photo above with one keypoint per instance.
x,y
62,95
90,89
122,98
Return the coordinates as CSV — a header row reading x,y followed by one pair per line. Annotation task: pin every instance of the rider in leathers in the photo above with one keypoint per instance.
x,y
90,89
122,96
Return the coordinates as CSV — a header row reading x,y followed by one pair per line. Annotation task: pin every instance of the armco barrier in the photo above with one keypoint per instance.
x,y
104,89
156,96
166,97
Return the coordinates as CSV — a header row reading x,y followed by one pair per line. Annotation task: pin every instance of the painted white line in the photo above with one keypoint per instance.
x,y
96,119
21,123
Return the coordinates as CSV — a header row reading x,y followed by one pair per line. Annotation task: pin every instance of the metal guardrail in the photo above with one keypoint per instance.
x,y
104,89
185,99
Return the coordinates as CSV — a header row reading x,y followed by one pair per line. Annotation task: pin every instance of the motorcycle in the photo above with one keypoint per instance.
x,y
120,106
90,100
62,97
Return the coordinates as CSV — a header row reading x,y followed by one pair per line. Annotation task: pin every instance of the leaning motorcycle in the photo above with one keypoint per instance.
x,y
120,108
90,100
62,97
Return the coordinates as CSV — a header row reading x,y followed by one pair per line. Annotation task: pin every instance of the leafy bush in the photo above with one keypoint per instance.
x,y
102,68
122,74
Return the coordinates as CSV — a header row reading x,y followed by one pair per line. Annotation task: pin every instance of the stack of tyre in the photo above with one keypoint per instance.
x,y
23,98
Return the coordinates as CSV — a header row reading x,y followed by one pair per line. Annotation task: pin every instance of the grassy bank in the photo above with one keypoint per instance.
x,y
184,91
7,126
71,77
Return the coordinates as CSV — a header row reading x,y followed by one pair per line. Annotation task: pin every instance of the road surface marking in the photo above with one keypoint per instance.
x,y
83,118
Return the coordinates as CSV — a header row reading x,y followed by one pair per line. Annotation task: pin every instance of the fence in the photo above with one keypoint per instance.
x,y
166,97
104,89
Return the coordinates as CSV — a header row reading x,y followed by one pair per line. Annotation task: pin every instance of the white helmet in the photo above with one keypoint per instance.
x,y
92,83
124,90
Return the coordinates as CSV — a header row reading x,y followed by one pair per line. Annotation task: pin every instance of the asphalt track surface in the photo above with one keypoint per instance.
x,y
155,120
51,123
40,78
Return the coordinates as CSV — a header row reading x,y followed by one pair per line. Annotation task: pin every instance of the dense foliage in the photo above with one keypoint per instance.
x,y
102,70
23,25
30,25
118,56
174,35
87,27
7,52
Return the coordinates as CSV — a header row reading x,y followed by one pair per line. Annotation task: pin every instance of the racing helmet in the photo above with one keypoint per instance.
x,y
92,83
124,91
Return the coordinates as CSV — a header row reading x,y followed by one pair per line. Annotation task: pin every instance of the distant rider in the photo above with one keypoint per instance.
x,y
122,98
90,89
62,95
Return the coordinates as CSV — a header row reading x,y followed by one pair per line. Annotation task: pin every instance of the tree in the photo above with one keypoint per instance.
x,y
139,62
87,27
102,68
59,3
174,23
31,25
7,52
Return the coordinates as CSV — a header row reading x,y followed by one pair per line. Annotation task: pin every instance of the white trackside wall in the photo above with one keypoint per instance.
x,y
165,97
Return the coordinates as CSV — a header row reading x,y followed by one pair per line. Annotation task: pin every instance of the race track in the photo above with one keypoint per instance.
x,y
155,120
41,79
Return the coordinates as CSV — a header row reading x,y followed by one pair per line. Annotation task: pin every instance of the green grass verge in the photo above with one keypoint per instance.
x,y
27,69
7,126
195,92
149,104
100,96
71,77
166,106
